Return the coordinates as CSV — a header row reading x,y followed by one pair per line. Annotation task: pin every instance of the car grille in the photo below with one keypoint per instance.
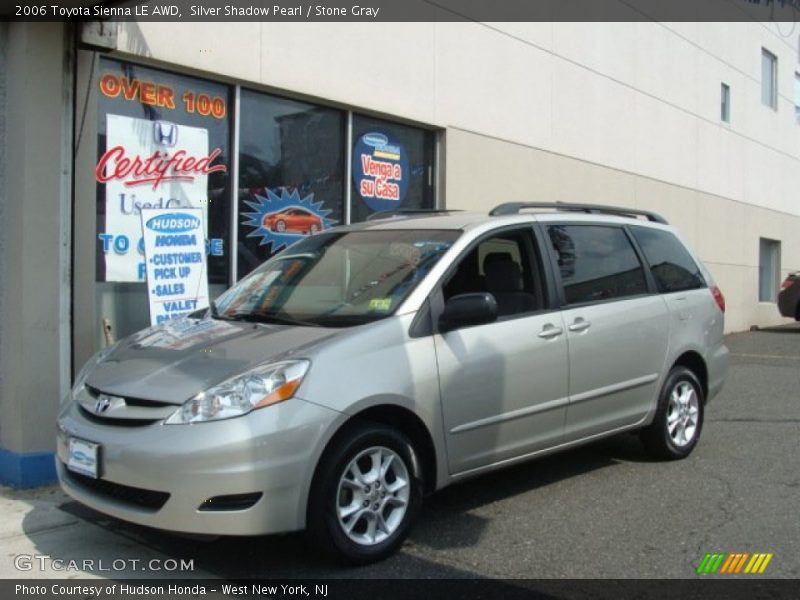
x,y
138,497
137,412
117,422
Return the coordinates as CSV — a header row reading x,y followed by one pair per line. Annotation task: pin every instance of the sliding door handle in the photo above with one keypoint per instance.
x,y
550,331
580,325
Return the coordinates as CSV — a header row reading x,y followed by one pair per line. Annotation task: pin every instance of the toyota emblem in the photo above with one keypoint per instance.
x,y
102,405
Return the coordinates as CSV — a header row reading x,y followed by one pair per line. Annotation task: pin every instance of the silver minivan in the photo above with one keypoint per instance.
x,y
366,366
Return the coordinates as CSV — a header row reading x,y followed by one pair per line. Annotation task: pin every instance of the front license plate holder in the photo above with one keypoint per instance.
x,y
83,457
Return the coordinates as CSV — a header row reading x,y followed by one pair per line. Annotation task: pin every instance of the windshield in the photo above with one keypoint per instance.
x,y
336,279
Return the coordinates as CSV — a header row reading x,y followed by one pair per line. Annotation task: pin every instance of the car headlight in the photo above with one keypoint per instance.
x,y
263,386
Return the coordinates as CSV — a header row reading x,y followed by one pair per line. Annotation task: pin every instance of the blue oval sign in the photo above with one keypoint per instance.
x,y
173,223
376,140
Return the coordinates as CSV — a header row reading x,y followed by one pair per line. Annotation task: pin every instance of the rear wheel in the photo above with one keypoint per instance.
x,y
280,226
676,427
366,494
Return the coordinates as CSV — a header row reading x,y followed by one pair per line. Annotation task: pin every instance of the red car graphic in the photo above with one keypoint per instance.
x,y
292,219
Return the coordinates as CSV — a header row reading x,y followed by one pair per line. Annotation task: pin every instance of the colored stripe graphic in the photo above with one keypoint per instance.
x,y
741,562
758,563
733,562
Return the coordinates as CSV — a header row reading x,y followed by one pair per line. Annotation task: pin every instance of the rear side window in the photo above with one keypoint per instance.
x,y
596,263
673,267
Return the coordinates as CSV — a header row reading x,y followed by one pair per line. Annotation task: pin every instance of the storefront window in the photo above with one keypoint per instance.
x,y
163,142
291,174
392,167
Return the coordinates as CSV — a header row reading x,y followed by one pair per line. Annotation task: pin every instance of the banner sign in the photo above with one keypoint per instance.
x,y
175,259
380,171
148,164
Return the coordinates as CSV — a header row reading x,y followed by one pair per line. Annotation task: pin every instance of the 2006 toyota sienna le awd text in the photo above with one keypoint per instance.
x,y
368,365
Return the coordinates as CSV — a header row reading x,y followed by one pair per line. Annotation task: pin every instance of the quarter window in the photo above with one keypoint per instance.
x,y
596,263
672,266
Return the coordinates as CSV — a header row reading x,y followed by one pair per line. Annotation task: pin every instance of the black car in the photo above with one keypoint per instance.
x,y
789,296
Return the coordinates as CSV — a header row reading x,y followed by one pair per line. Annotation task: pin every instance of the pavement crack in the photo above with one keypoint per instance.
x,y
725,507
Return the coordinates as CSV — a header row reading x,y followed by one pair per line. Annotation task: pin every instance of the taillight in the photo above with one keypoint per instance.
x,y
718,297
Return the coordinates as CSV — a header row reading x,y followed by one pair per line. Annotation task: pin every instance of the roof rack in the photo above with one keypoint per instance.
x,y
513,208
399,212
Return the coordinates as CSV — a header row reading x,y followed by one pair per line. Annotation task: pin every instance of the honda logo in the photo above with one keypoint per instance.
x,y
165,133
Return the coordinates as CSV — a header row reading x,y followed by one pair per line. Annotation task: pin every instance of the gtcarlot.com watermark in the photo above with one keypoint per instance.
x,y
44,562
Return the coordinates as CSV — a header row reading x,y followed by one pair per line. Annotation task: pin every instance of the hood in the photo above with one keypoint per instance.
x,y
173,362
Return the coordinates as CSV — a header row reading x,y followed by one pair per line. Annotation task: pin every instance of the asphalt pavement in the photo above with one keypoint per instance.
x,y
602,511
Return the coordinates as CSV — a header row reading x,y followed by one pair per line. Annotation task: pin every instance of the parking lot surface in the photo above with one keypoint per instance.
x,y
601,511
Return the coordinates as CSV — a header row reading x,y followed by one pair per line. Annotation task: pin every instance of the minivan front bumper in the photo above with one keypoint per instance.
x,y
161,475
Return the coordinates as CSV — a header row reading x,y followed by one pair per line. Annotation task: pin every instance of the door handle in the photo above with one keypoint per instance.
x,y
550,331
580,325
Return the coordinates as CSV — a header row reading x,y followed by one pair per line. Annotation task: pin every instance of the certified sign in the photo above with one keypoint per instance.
x,y
175,259
148,164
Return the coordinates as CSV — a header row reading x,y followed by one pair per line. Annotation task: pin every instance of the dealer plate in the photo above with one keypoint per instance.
x,y
83,457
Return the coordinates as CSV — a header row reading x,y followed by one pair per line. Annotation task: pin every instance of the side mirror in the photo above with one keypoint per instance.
x,y
466,310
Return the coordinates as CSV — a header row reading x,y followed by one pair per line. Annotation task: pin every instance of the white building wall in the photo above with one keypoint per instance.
x,y
609,112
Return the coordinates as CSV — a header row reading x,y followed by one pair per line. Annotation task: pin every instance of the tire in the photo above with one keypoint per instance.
x,y
280,226
313,229
676,428
346,479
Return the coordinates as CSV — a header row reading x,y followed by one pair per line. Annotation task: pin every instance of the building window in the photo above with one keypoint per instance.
x,y
769,79
725,103
797,98
145,118
769,268
392,167
291,174
167,140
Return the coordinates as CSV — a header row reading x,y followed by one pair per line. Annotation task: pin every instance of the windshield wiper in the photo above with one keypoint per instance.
x,y
270,318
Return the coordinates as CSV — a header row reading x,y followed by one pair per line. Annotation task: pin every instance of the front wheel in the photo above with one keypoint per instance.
x,y
676,427
366,494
